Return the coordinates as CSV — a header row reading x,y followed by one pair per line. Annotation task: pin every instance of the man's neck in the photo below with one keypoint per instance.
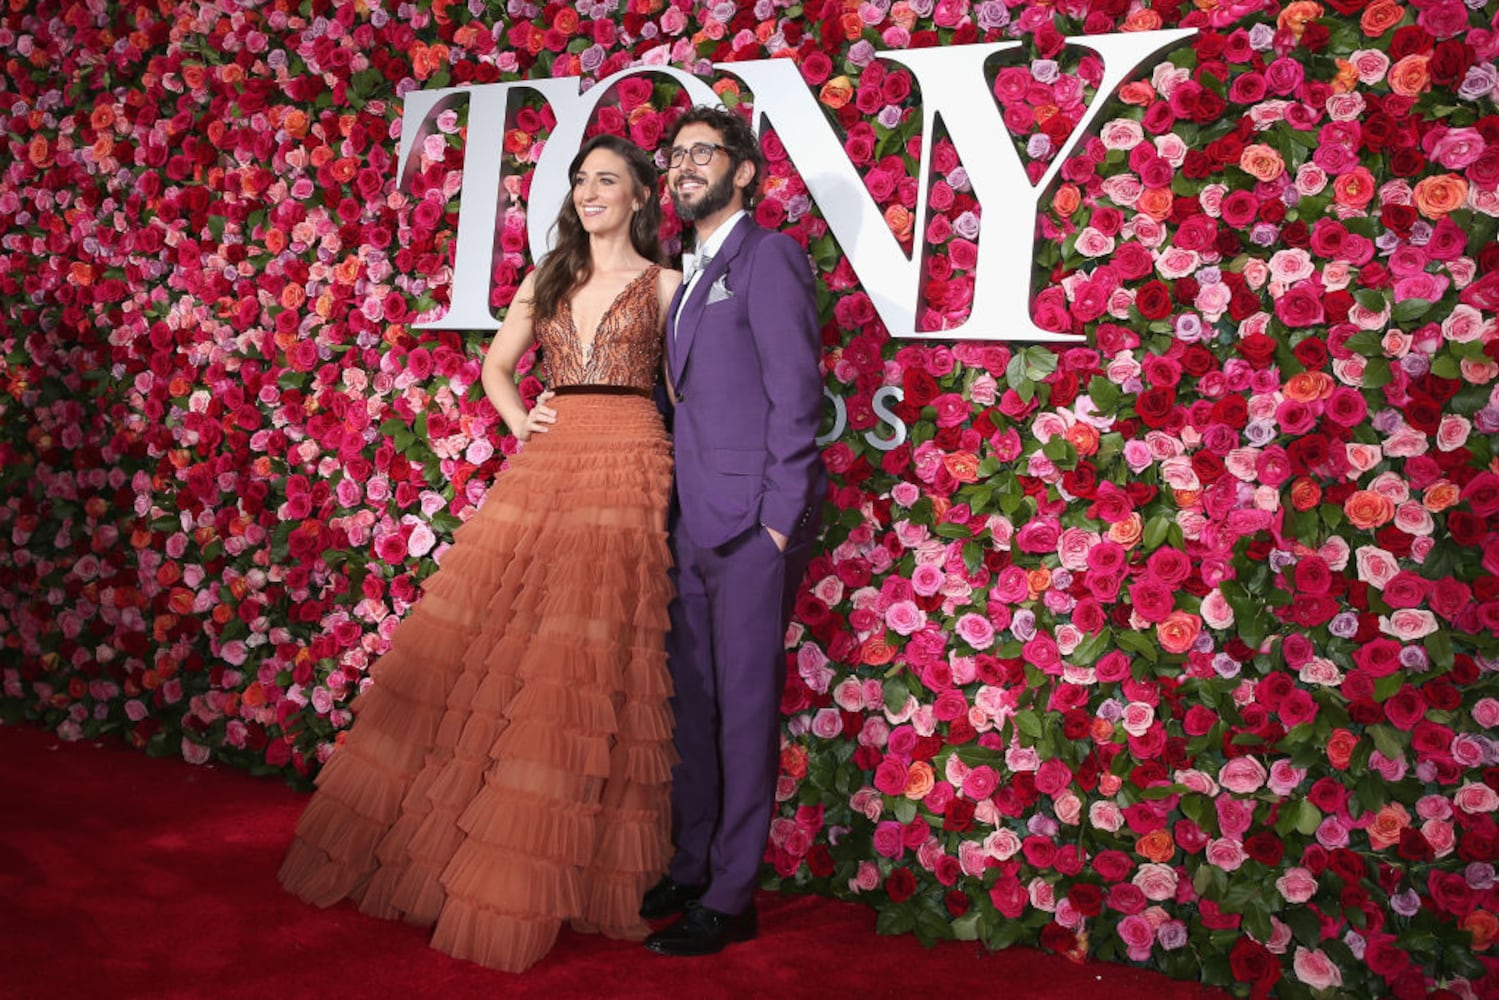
x,y
706,227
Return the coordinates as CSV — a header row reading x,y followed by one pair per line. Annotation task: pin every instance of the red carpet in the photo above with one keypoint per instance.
x,y
125,876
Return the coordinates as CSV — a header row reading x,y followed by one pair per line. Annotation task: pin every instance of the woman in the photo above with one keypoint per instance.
x,y
511,760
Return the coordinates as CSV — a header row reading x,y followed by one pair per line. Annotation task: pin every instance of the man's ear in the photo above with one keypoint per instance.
x,y
744,176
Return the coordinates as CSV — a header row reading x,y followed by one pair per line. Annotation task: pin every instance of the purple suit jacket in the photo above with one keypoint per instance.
x,y
743,357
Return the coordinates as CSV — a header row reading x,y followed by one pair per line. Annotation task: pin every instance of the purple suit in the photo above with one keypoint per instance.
x,y
743,355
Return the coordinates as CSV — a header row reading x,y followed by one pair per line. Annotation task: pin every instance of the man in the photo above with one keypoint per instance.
x,y
742,352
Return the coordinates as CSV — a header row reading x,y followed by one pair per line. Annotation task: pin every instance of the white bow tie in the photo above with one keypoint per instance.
x,y
694,263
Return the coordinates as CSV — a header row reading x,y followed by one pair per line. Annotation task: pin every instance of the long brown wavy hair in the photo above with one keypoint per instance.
x,y
569,265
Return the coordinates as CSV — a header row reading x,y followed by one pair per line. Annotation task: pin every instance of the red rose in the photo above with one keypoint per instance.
x,y
1251,962
1055,937
1154,406
900,885
1153,300
1087,899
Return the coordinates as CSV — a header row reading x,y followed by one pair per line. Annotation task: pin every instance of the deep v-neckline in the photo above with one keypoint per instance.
x,y
587,348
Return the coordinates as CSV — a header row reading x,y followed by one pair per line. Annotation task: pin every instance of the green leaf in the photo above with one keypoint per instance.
x,y
1446,366
1439,649
896,693
1387,740
1366,341
1376,373
1138,642
1410,309
1029,724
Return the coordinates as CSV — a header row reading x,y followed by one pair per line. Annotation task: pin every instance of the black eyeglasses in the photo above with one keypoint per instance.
x,y
702,153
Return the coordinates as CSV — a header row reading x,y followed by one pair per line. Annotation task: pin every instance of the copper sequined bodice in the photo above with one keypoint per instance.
x,y
626,350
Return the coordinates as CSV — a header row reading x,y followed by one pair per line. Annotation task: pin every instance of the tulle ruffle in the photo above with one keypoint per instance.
x,y
510,764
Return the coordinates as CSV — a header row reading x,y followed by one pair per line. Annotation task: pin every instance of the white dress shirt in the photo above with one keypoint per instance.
x,y
710,248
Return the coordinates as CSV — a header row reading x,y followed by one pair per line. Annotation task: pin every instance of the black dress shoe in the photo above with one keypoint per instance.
x,y
704,932
669,897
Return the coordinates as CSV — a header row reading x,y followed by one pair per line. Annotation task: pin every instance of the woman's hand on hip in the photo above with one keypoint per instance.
x,y
540,418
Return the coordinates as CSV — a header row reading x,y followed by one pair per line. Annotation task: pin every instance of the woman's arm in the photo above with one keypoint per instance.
x,y
514,338
667,283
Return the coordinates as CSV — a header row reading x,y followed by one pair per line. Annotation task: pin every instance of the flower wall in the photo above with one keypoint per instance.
x,y
1175,647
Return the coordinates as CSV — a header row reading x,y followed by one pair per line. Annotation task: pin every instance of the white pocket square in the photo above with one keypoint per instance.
x,y
719,291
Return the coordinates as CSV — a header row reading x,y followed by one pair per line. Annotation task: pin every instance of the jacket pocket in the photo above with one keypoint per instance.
x,y
739,461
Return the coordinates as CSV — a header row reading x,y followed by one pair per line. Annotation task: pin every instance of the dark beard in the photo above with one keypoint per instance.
x,y
718,195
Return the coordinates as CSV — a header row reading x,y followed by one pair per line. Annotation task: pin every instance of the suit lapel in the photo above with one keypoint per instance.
x,y
691,316
672,351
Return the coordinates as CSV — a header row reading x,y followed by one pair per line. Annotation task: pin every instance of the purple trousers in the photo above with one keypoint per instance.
x,y
727,655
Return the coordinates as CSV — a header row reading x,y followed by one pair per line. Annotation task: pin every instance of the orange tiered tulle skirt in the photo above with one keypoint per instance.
x,y
509,766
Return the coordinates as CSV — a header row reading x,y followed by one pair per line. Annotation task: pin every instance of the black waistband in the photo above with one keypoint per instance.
x,y
600,390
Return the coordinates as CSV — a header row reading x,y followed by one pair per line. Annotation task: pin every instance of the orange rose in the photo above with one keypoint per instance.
x,y
102,117
80,273
1261,162
919,780
566,21
1038,581
1298,15
900,221
876,652
1156,846
1155,202
1128,531
1439,496
1340,747
1304,387
962,466
1305,493
1388,823
1178,632
1346,79
344,168
295,122
1083,437
1067,199
1380,16
794,761
1484,927
1409,77
1139,93
1143,20
1366,509
181,601
1439,195
1354,188
836,92
39,152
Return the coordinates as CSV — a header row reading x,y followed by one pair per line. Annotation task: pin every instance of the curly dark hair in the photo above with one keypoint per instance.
x,y
570,265
739,142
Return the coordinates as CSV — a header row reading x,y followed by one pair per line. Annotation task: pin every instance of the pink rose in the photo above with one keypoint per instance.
x,y
1475,798
975,630
1226,853
1407,624
905,618
1156,881
1297,885
1315,969
1244,775
1138,936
